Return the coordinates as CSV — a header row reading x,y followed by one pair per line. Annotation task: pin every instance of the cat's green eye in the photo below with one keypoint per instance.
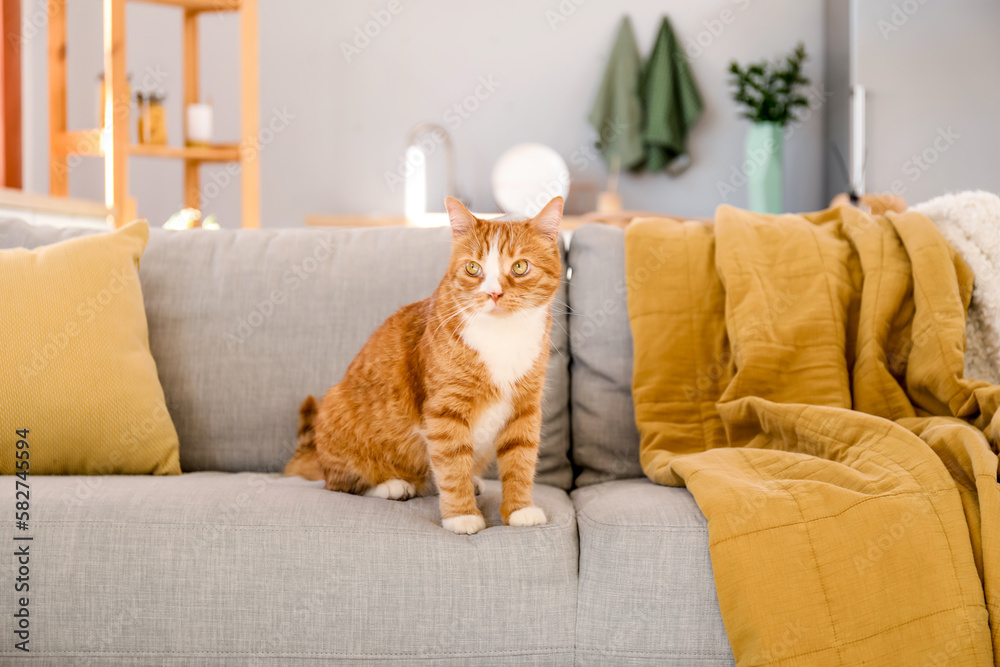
x,y
520,267
472,268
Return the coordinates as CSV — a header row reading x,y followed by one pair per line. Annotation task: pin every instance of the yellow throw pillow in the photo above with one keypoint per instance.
x,y
78,385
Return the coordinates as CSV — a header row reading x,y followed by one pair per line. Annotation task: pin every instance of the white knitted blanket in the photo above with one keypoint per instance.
x,y
971,223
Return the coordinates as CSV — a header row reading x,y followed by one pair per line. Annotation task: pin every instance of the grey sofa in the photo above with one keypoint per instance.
x,y
231,564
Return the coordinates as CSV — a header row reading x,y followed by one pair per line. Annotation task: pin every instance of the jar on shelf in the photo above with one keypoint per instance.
x,y
157,132
143,102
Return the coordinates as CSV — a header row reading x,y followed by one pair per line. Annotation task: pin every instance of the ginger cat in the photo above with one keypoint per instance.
x,y
447,383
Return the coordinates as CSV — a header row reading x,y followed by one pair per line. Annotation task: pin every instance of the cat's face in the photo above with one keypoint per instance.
x,y
504,267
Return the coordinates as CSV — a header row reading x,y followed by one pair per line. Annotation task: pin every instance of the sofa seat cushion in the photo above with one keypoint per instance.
x,y
647,594
253,568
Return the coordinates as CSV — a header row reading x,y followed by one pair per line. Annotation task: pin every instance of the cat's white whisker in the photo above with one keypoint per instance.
x,y
458,311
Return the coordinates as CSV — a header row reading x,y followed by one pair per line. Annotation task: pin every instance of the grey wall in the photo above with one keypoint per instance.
x,y
933,94
351,118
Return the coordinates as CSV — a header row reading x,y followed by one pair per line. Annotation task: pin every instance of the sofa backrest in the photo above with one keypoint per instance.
x,y
244,324
605,439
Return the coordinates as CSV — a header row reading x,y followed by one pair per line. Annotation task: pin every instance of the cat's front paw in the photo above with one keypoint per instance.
x,y
465,524
393,489
527,516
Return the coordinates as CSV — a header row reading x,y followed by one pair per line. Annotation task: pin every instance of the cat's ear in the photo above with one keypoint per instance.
x,y
548,219
461,220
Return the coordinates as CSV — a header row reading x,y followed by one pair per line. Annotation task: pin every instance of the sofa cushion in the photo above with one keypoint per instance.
x,y
257,569
80,388
644,557
605,439
244,324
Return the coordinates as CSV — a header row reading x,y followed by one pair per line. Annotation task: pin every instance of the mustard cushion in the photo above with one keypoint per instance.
x,y
77,374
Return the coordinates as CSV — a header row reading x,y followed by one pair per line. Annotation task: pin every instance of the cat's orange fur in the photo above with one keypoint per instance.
x,y
449,382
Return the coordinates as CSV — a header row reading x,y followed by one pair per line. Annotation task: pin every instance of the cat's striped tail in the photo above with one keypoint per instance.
x,y
304,462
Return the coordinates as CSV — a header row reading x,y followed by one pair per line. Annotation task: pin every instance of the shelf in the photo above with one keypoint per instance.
x,y
199,5
222,153
84,142
113,143
88,142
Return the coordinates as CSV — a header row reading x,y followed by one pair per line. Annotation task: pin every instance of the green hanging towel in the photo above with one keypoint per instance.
x,y
617,111
672,104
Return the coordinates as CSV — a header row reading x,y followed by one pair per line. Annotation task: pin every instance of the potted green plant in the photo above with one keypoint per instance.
x,y
770,94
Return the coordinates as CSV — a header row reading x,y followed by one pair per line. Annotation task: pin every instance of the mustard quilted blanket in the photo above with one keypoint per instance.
x,y
802,376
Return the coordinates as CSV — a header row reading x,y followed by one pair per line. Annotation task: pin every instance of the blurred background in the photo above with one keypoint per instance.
x,y
342,84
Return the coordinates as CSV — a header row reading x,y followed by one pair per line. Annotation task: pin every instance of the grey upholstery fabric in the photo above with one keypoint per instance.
x,y
647,594
244,324
255,569
605,439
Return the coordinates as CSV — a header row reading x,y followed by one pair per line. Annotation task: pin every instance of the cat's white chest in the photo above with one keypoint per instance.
x,y
507,346
487,427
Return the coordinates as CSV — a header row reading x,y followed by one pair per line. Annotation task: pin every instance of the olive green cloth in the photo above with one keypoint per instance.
x,y
617,111
671,102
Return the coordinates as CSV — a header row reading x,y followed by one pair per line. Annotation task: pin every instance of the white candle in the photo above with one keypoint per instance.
x,y
199,123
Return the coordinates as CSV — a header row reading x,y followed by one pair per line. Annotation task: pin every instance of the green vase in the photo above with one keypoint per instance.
x,y
764,168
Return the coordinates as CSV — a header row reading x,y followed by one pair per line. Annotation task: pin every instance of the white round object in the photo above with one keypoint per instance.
x,y
527,177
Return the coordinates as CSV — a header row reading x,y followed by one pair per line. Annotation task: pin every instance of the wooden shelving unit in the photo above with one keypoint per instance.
x,y
112,142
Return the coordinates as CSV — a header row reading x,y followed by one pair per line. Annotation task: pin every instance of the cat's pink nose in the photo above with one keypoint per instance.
x,y
495,296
